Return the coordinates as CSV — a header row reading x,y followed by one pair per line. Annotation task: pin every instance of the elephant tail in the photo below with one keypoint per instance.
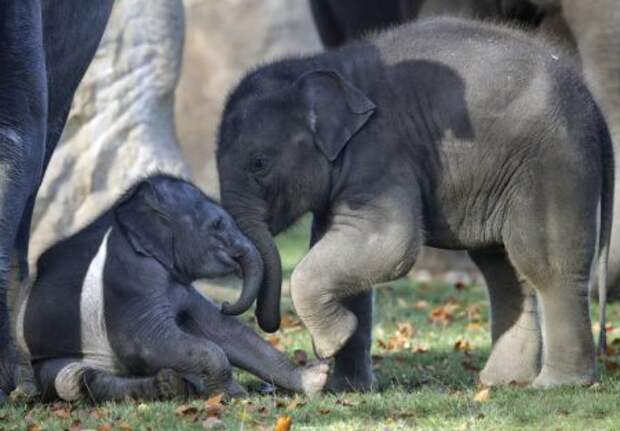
x,y
606,214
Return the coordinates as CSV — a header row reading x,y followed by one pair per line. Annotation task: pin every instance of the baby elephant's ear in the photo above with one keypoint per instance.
x,y
337,110
146,226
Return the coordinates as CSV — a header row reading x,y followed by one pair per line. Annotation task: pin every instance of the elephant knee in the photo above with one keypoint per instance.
x,y
309,291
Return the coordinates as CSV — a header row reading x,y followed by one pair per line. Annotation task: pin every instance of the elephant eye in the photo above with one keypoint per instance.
x,y
259,164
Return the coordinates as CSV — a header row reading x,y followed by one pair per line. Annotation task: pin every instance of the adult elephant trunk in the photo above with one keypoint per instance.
x,y
252,268
268,302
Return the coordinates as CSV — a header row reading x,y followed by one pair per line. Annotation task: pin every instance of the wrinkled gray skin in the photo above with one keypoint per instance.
x,y
45,48
590,29
132,325
446,133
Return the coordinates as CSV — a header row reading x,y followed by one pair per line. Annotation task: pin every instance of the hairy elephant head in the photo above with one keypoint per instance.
x,y
173,222
276,147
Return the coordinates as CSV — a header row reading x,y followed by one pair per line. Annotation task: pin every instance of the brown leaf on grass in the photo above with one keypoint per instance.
x,y
483,395
474,326
213,406
124,426
105,427
420,349
61,412
401,338
300,357
283,423
289,321
443,314
187,411
324,411
276,342
76,425
34,427
462,345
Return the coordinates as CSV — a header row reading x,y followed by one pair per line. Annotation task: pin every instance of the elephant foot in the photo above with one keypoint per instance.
x,y
235,390
329,341
552,377
510,366
356,376
170,384
313,378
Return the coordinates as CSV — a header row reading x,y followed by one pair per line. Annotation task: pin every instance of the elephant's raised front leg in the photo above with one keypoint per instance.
x,y
515,329
353,363
358,250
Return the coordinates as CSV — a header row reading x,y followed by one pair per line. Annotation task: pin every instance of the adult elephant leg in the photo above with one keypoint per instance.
x,y
353,364
23,118
515,329
596,29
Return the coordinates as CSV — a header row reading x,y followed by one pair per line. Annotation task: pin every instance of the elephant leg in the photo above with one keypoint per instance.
x,y
357,251
248,351
515,330
23,119
188,354
353,363
71,379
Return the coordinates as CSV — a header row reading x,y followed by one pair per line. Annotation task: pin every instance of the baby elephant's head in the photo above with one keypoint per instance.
x,y
173,222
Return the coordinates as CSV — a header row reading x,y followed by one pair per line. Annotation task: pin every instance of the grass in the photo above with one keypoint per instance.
x,y
426,372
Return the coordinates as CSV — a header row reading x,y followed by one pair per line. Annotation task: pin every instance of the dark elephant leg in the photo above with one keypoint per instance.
x,y
353,364
515,330
23,118
70,379
246,350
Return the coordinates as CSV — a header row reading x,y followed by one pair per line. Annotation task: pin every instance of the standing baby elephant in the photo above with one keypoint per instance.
x,y
451,133
112,313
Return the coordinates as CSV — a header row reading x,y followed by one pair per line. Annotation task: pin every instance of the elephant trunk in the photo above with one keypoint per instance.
x,y
252,268
268,303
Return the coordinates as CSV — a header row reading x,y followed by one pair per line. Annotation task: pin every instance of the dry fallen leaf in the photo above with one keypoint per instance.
x,y
443,314
124,426
462,345
289,321
99,413
420,349
283,423
34,427
186,410
401,338
104,427
213,406
483,395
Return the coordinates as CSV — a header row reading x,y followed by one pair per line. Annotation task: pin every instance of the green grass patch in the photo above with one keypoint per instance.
x,y
426,370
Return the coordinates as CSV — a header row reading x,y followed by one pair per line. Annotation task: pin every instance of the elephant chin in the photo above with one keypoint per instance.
x,y
252,267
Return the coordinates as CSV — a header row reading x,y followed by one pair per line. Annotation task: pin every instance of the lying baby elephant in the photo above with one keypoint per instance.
x,y
112,313
450,133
